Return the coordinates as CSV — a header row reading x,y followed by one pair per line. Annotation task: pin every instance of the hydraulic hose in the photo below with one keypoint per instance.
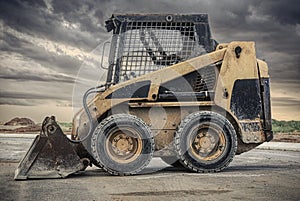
x,y
88,112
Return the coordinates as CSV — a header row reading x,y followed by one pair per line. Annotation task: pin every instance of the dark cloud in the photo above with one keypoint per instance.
x,y
32,99
29,70
286,12
23,16
46,78
11,42
35,93
37,20
24,95
19,102
59,62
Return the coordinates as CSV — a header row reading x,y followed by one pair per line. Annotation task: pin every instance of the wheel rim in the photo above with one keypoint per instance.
x,y
124,145
207,142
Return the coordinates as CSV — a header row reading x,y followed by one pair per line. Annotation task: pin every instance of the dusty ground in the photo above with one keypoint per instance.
x,y
255,175
287,137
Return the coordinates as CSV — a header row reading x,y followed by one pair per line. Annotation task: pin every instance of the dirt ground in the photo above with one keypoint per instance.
x,y
255,175
287,137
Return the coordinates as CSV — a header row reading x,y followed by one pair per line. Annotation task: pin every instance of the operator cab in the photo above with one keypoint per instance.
x,y
145,43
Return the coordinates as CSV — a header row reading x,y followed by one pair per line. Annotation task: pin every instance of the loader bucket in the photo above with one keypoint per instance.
x,y
51,155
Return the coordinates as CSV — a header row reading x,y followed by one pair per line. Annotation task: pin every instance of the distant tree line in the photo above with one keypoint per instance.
x,y
285,126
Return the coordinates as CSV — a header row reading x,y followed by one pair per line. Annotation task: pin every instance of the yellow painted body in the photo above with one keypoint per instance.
x,y
230,69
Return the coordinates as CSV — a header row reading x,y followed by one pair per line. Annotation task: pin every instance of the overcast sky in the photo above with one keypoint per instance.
x,y
44,43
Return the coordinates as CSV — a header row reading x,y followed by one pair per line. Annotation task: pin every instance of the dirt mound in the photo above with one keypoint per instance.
x,y
23,129
20,122
287,137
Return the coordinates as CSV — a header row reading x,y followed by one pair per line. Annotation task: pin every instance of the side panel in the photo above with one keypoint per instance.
x,y
245,100
239,87
246,105
134,90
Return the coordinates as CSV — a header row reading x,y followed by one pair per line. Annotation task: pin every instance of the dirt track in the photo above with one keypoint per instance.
x,y
256,175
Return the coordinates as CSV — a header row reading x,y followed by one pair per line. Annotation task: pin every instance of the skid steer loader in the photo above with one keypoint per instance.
x,y
172,92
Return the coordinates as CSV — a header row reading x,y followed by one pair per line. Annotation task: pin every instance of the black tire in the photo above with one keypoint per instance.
x,y
122,144
205,142
172,160
85,151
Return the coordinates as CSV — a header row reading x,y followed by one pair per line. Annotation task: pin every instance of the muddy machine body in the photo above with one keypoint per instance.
x,y
171,91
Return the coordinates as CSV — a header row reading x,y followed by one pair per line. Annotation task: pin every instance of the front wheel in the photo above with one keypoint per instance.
x,y
122,144
205,142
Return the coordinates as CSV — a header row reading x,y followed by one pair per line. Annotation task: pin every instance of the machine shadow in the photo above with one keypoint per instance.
x,y
169,170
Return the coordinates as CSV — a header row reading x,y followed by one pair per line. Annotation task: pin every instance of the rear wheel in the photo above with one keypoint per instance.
x,y
205,142
122,144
